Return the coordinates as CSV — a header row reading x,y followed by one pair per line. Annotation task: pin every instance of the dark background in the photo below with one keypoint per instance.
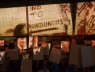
x,y
15,3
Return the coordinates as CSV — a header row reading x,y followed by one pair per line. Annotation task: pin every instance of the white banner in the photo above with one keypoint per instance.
x,y
50,19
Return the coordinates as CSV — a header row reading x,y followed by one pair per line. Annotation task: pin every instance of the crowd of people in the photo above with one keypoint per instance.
x,y
44,58
39,56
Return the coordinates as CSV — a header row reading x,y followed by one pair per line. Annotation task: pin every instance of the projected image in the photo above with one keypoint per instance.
x,y
13,21
93,42
50,19
21,43
85,18
65,46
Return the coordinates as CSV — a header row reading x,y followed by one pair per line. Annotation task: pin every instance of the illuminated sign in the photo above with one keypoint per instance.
x,y
50,19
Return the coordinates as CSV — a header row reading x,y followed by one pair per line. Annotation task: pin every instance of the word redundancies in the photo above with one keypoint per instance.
x,y
50,23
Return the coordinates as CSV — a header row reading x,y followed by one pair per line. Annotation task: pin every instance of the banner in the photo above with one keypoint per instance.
x,y
50,19
12,19
85,18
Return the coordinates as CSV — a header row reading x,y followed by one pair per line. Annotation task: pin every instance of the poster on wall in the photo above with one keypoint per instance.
x,y
50,19
13,21
65,46
22,43
85,18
